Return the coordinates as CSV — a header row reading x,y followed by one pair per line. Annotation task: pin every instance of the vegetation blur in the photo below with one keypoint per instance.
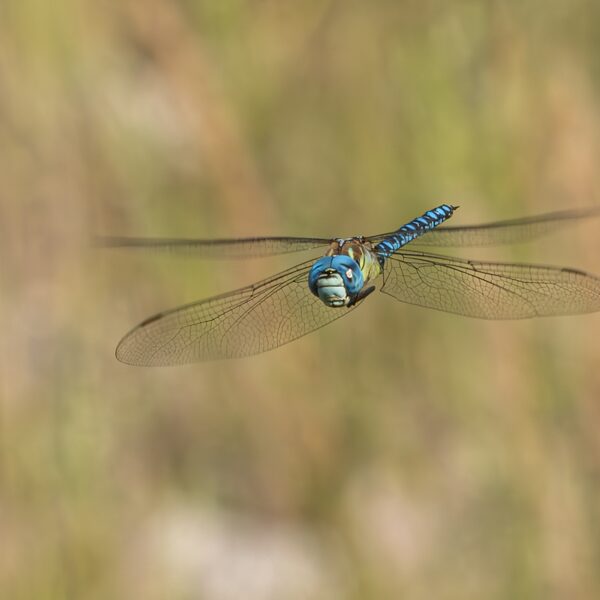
x,y
397,453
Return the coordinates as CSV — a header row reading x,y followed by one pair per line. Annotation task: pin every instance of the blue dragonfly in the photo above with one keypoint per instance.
x,y
309,295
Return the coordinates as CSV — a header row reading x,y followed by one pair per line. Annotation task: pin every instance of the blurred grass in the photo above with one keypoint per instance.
x,y
397,453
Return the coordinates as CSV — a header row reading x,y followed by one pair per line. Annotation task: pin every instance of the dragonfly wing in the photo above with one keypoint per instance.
x,y
223,249
489,290
501,232
247,321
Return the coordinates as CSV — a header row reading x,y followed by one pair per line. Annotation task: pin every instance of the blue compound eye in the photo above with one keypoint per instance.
x,y
350,272
336,280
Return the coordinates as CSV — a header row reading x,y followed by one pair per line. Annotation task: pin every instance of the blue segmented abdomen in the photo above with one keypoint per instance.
x,y
426,222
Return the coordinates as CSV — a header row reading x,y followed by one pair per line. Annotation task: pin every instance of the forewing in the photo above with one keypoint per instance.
x,y
247,321
219,249
501,232
489,290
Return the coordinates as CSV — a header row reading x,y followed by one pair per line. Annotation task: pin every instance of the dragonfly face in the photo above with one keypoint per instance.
x,y
336,280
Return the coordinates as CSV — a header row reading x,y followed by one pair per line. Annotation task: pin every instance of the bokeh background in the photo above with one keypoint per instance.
x,y
397,453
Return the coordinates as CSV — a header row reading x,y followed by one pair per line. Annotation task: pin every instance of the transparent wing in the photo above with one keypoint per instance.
x,y
225,248
501,232
248,321
489,290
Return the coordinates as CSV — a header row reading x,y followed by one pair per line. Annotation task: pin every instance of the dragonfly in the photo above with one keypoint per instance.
x,y
313,293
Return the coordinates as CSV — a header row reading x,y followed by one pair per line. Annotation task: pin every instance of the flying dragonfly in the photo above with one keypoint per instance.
x,y
309,295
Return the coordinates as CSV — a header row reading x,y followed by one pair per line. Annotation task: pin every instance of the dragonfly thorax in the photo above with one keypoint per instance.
x,y
336,280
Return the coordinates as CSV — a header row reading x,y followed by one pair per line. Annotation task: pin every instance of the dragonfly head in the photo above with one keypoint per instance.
x,y
336,280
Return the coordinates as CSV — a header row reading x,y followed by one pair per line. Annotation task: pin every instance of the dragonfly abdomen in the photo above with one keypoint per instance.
x,y
415,228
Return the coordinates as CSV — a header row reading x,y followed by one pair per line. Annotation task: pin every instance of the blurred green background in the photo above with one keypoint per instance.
x,y
397,453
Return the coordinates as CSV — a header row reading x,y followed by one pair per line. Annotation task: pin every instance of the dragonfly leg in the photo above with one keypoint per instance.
x,y
361,295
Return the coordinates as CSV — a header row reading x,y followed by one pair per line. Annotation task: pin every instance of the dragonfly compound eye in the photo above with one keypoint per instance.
x,y
335,280
350,273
